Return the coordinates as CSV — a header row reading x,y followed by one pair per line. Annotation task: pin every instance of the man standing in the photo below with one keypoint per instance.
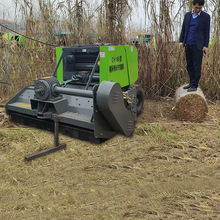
x,y
195,37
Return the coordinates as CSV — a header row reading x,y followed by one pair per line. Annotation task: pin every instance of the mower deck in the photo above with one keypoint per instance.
x,y
65,129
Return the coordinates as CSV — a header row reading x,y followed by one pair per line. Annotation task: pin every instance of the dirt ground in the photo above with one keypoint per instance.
x,y
167,170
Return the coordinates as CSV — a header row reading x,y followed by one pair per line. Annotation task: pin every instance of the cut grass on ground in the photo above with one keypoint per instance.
x,y
167,170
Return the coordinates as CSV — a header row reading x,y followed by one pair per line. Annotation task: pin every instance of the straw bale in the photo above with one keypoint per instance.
x,y
190,106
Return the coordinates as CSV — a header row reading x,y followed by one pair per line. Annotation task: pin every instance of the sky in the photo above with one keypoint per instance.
x,y
7,11
6,7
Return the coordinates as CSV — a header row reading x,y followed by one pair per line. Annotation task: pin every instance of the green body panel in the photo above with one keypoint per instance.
x,y
59,51
19,38
132,59
7,36
113,65
118,64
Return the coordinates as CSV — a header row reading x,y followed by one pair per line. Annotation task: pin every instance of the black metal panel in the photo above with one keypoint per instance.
x,y
101,127
111,104
79,59
48,125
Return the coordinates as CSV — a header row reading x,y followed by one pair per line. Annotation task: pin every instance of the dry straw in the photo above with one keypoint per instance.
x,y
162,66
190,106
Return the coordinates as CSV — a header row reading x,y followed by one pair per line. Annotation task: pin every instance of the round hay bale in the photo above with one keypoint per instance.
x,y
190,106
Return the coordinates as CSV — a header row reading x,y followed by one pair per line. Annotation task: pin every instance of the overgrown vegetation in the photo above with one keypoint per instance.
x,y
162,66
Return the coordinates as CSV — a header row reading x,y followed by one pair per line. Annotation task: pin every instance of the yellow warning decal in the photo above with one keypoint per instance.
x,y
23,105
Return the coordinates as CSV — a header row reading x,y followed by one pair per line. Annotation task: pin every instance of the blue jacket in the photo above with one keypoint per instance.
x,y
202,29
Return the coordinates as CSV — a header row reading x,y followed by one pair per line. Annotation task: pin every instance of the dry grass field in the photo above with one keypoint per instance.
x,y
167,170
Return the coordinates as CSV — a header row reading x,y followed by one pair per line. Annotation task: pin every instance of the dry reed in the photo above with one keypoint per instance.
x,y
162,66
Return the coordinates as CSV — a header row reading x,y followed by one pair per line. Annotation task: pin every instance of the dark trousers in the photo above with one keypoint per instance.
x,y
194,63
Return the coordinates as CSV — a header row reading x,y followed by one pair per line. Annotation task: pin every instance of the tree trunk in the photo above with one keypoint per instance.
x,y
190,106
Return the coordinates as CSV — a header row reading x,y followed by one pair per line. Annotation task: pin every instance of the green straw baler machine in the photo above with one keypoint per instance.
x,y
91,93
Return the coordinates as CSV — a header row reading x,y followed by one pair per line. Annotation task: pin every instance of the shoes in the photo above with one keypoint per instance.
x,y
186,87
192,89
